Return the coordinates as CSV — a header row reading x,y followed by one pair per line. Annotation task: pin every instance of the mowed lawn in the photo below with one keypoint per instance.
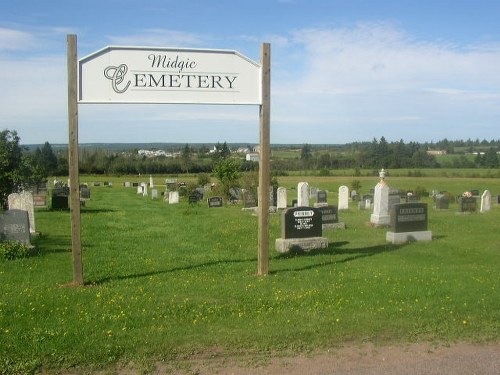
x,y
165,282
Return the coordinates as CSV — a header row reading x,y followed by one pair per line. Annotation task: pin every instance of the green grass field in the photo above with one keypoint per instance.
x,y
165,282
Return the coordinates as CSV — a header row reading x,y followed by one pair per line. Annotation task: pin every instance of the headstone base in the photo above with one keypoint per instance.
x,y
325,204
380,220
340,225
284,245
399,238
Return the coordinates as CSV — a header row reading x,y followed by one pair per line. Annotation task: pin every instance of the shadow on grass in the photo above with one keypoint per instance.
x,y
172,270
95,211
47,244
335,249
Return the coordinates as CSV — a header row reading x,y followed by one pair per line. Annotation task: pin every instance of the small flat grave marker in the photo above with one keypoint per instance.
x,y
214,202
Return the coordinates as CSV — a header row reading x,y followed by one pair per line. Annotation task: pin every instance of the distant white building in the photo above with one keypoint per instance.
x,y
158,153
253,156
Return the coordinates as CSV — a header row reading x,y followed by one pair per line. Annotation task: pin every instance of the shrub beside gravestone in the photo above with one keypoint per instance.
x,y
10,250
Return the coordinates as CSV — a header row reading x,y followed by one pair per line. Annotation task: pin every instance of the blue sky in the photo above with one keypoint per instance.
x,y
342,71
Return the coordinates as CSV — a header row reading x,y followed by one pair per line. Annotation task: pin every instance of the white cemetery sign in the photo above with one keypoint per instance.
x,y
166,75
169,75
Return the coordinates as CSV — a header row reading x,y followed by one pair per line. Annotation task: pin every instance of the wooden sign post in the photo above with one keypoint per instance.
x,y
76,242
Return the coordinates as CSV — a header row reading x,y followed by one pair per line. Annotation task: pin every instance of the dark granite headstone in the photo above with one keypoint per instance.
x,y
321,196
498,199
329,214
214,202
394,198
135,184
193,198
301,222
409,217
467,204
249,199
60,202
475,193
442,202
84,192
60,198
15,226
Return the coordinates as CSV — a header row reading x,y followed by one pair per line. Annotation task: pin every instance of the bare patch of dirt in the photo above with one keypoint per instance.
x,y
363,359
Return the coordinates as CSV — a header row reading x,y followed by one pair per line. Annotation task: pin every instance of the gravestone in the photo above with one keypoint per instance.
x,y
380,215
214,202
394,198
442,201
84,192
313,192
294,203
194,198
282,198
235,194
303,194
144,189
154,193
330,217
97,183
301,228
140,190
127,184
151,182
15,226
485,201
249,199
273,196
409,223
23,201
171,183
474,192
411,198
321,197
467,204
173,197
135,184
60,198
40,200
366,202
343,198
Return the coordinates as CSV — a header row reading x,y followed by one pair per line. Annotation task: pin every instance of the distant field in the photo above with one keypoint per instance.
x,y
168,282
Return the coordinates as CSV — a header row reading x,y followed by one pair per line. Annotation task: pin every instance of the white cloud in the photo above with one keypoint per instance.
x,y
11,39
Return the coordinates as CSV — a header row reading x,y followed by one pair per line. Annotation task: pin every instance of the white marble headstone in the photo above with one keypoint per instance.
x,y
380,215
486,201
282,198
23,201
303,194
343,198
173,197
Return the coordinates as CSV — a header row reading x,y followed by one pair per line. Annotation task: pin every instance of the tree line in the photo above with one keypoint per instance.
x,y
21,167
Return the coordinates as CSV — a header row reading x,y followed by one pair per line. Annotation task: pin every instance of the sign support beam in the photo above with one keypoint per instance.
x,y
264,161
76,241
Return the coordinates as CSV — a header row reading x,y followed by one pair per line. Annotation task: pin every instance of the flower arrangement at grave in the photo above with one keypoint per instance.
x,y
467,194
